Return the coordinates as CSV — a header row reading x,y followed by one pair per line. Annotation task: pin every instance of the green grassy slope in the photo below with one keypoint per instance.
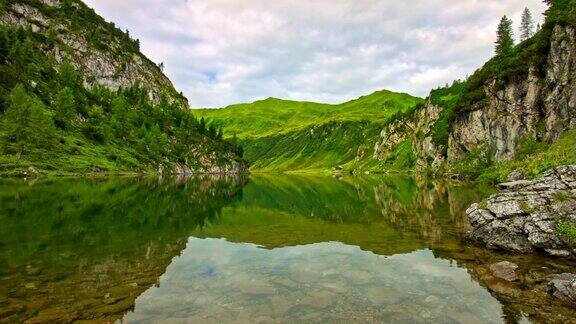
x,y
282,135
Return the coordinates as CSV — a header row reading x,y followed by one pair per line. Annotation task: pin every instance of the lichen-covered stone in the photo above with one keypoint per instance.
x,y
524,218
563,287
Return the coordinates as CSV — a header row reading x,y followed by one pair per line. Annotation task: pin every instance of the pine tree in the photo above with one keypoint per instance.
x,y
65,108
527,25
26,125
505,40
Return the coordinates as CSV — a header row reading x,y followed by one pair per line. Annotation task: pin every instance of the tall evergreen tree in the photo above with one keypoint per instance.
x,y
26,126
505,40
65,108
527,25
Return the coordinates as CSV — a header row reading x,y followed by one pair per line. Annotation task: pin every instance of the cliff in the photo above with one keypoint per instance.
x,y
105,55
536,106
507,109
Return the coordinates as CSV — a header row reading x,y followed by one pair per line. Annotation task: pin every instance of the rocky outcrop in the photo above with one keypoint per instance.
x,y
229,164
98,61
563,287
417,130
533,107
540,105
525,216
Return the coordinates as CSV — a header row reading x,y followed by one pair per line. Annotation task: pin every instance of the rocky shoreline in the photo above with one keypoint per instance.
x,y
531,217
528,216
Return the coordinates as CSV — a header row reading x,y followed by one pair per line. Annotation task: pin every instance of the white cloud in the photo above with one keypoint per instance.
x,y
220,52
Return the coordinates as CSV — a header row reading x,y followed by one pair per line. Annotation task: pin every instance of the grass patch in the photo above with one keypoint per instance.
x,y
567,230
563,196
562,152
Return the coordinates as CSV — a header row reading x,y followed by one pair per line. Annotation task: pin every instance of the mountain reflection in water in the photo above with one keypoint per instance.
x,y
270,249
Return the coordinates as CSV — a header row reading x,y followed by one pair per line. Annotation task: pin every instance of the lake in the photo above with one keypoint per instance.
x,y
258,249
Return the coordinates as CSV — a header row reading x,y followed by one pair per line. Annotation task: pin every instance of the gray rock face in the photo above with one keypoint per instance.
x,y
520,109
524,217
428,154
100,66
563,287
540,105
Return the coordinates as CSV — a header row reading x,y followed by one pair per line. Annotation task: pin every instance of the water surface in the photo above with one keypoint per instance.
x,y
265,249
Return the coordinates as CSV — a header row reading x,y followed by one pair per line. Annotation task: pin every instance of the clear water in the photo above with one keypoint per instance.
x,y
262,250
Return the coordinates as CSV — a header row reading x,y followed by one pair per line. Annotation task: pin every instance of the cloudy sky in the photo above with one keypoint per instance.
x,y
220,52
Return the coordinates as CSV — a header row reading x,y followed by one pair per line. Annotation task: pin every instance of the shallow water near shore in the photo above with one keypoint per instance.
x,y
264,249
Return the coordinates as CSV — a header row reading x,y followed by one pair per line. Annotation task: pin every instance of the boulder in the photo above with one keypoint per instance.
x,y
563,287
516,176
524,217
504,270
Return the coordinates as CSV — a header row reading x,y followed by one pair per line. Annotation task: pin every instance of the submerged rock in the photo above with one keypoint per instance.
x,y
504,270
563,287
525,216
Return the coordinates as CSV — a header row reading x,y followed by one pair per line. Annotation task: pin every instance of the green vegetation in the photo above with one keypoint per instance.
x,y
567,230
275,116
510,64
535,159
281,135
505,40
50,121
402,158
563,196
527,25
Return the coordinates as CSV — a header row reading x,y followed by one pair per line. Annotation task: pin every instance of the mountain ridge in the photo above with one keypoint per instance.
x,y
277,134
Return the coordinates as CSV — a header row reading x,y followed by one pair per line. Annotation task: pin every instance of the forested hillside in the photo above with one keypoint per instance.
x,y
282,135
77,96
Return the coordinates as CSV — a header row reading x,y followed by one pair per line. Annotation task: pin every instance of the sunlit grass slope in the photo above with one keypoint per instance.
x,y
282,135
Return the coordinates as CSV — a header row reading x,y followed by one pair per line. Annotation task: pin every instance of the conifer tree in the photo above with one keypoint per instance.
x,y
65,108
527,25
26,125
505,40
